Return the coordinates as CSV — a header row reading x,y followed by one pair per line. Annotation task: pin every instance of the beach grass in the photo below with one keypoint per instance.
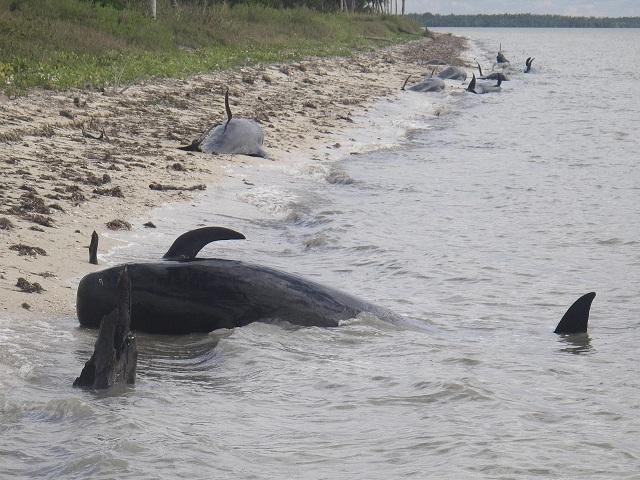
x,y
61,44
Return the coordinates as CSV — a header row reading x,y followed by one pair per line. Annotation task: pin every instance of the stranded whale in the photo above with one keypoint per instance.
x,y
492,75
236,135
453,73
433,84
475,87
184,294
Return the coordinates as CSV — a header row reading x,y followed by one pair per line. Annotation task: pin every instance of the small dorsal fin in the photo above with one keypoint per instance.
x,y
227,109
405,83
187,245
226,105
479,68
576,318
472,85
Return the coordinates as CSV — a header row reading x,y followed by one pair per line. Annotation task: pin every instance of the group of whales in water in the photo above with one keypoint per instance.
x,y
184,294
437,83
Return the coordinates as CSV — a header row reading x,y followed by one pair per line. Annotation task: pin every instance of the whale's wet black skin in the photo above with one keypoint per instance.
x,y
184,294
575,319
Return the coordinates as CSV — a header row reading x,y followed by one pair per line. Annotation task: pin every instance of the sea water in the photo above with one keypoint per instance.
x,y
480,217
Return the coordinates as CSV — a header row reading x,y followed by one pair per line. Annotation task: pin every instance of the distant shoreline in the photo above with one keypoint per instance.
x,y
524,20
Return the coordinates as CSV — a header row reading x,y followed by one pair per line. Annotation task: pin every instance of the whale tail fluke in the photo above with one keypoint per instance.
x,y
472,85
576,318
187,245
528,64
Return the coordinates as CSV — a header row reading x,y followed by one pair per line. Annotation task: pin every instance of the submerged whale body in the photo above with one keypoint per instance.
x,y
184,294
480,88
237,135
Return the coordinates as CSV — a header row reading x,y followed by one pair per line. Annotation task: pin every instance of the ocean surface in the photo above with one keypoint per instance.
x,y
480,217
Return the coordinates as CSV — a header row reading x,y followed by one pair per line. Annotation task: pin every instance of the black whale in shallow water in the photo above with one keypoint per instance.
x,y
184,294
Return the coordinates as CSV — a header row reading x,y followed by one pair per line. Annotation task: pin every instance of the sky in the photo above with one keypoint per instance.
x,y
582,8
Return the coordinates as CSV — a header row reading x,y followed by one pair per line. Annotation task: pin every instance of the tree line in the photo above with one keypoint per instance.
x,y
524,20
371,6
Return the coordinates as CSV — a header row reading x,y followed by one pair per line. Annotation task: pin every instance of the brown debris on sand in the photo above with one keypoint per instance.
x,y
5,224
24,250
26,286
118,224
164,188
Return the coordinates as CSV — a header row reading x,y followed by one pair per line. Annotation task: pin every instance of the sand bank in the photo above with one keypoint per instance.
x,y
74,161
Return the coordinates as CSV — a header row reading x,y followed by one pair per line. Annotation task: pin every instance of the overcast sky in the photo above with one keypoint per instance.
x,y
586,8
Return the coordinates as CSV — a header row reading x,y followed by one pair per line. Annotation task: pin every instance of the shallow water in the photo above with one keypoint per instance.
x,y
483,223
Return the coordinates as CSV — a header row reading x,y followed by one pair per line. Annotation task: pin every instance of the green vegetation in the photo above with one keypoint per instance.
x,y
525,20
57,44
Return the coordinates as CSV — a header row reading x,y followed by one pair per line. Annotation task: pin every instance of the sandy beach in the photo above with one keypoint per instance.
x,y
74,162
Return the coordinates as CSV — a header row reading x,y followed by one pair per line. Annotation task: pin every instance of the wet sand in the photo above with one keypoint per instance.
x,y
78,161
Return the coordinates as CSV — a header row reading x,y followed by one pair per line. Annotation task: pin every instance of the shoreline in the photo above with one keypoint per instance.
x,y
76,160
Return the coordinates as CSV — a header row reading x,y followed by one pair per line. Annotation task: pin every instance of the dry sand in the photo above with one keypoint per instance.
x,y
74,161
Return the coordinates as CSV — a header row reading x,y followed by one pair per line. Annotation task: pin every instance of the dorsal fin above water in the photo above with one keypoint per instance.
x,y
472,85
187,245
576,318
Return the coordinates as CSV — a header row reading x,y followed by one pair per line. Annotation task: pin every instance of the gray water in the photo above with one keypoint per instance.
x,y
480,217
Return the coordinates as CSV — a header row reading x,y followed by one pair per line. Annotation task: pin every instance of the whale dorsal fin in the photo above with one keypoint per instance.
x,y
576,318
405,83
187,245
479,68
472,85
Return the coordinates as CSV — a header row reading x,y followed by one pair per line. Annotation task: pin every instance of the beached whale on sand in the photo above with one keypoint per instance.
x,y
235,135
184,294
433,84
479,88
453,73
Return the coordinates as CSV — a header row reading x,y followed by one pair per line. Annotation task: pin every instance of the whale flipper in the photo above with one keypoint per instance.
x,y
187,245
576,318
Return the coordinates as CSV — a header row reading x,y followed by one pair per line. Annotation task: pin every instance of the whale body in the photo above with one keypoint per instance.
x,y
184,294
480,88
434,84
237,135
453,73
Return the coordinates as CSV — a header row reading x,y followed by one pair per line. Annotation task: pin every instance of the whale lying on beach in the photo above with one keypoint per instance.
x,y
480,88
236,135
433,84
184,294
453,73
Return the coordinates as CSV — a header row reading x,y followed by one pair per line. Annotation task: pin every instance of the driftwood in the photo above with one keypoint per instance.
x,y
115,356
93,249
